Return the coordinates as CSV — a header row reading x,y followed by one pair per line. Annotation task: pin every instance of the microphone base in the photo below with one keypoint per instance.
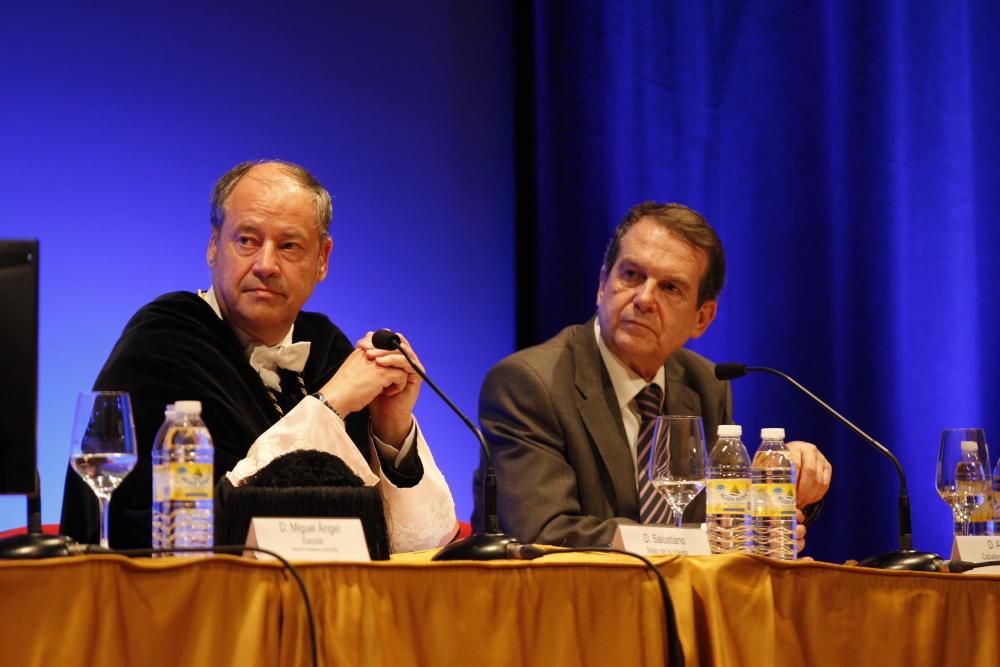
x,y
906,559
33,546
480,546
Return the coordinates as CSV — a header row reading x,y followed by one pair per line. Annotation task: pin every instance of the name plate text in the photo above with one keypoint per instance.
x,y
308,539
662,540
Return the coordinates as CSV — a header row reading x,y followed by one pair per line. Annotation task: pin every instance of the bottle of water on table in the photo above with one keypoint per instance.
x,y
972,488
995,504
183,481
728,494
160,483
772,495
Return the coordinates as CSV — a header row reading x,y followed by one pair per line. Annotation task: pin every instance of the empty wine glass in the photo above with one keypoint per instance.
x,y
677,462
102,451
962,478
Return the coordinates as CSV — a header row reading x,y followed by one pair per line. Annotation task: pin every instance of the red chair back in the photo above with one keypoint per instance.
x,y
48,529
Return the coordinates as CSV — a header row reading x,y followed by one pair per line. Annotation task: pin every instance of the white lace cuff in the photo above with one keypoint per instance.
x,y
419,517
309,425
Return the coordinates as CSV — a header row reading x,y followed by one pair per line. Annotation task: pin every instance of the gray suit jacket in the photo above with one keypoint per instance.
x,y
565,472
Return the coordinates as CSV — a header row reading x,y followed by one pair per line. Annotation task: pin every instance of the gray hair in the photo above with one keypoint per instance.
x,y
225,185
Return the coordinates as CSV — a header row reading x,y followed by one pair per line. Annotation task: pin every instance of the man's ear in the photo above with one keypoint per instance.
x,y
600,284
213,248
706,313
324,259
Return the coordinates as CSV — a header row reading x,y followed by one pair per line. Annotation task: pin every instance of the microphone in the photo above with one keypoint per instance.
x,y
729,371
385,339
904,558
492,544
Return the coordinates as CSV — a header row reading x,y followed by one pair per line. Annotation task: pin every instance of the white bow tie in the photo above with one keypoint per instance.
x,y
265,360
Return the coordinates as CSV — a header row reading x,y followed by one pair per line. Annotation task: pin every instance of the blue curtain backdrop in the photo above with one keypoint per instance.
x,y
847,153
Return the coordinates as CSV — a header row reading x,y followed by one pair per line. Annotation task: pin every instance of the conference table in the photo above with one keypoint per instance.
x,y
563,609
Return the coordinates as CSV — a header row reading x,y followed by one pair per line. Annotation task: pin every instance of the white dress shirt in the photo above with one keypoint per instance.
x,y
627,385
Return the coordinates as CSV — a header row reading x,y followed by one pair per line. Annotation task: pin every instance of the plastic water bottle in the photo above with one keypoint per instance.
x,y
728,494
996,500
183,481
971,484
159,534
772,496
984,518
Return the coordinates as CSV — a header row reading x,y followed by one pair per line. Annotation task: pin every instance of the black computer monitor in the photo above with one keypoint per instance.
x,y
18,366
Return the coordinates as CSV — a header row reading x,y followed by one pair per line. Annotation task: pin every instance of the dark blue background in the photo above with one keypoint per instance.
x,y
846,152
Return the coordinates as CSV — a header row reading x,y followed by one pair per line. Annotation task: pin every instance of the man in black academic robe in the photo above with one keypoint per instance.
x,y
269,248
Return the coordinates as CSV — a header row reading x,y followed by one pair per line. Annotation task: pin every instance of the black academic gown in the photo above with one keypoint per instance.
x,y
176,348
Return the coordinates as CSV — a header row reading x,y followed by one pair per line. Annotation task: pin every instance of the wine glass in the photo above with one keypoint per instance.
x,y
102,451
677,462
962,480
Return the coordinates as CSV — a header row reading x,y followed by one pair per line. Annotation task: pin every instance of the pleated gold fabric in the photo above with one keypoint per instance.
x,y
111,610
567,609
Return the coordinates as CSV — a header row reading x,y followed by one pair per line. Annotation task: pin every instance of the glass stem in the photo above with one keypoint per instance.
x,y
103,510
965,527
679,518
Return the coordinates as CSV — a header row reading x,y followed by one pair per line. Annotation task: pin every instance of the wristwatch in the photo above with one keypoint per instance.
x,y
322,399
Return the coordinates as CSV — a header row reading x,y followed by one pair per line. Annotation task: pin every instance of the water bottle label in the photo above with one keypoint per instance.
x,y
985,511
728,496
774,500
182,481
161,482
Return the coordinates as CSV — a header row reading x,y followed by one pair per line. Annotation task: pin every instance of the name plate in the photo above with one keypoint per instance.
x,y
308,539
977,549
662,540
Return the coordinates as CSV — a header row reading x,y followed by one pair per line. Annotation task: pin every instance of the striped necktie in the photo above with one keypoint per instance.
x,y
653,507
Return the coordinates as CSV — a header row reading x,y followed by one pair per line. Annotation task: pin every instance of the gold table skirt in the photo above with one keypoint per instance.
x,y
568,609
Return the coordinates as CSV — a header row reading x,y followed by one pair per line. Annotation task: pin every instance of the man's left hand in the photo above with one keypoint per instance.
x,y
814,472
800,531
392,410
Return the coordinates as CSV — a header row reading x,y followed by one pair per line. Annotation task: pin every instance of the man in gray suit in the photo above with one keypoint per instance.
x,y
562,419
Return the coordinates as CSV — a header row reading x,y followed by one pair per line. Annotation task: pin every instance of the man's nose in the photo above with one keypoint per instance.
x,y
266,262
645,295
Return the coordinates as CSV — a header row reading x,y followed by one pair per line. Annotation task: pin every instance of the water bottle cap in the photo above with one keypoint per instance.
x,y
187,407
970,446
730,430
772,434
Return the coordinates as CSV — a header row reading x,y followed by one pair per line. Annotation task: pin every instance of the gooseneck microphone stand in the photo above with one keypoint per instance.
x,y
903,558
492,544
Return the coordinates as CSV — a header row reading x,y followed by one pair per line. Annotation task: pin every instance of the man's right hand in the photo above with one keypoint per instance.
x,y
358,381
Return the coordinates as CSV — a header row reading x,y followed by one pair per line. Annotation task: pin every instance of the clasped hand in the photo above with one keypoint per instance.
x,y
814,474
382,381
